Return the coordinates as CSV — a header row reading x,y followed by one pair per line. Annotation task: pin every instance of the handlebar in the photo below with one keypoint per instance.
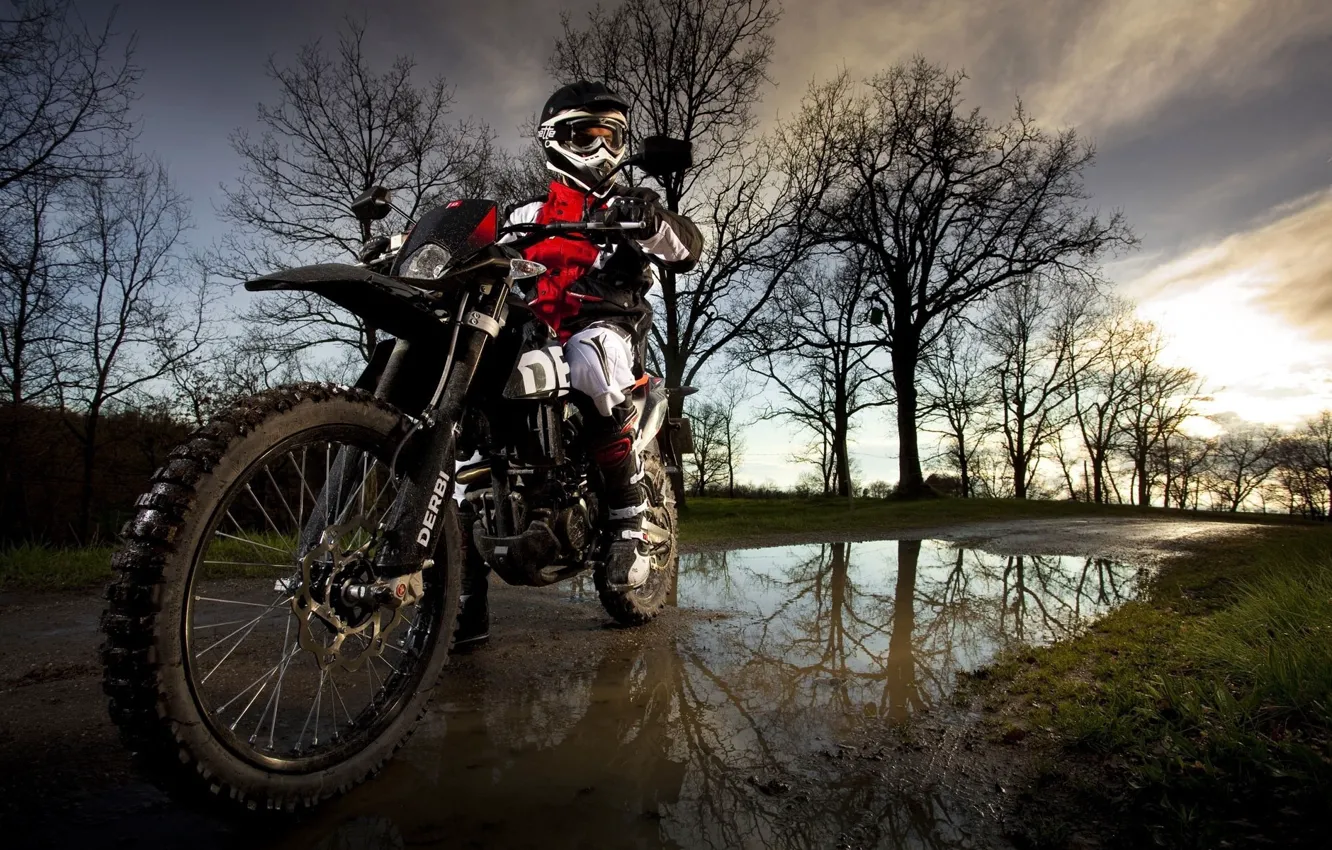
x,y
573,226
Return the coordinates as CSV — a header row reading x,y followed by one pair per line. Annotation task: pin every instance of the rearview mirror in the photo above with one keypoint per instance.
x,y
662,156
372,204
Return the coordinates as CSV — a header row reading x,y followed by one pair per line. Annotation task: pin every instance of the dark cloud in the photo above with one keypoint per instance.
x,y
1212,119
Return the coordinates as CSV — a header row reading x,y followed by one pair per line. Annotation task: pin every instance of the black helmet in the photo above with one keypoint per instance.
x,y
584,131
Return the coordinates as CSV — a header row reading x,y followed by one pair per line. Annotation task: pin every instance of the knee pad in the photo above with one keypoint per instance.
x,y
612,453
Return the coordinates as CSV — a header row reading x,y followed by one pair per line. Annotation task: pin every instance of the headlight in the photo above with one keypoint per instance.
x,y
428,263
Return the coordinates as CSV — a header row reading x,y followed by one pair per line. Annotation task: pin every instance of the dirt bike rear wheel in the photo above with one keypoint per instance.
x,y
239,658
642,604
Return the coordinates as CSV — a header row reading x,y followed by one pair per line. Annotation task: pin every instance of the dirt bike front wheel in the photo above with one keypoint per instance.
x,y
251,652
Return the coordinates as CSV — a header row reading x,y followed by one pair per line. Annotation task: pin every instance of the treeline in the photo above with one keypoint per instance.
x,y
860,251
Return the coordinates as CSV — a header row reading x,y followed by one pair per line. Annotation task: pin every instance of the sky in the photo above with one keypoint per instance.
x,y
1212,121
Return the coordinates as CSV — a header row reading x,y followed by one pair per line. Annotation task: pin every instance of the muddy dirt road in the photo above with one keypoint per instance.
x,y
753,715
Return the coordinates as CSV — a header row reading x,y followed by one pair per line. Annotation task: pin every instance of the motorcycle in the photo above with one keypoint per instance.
x,y
286,594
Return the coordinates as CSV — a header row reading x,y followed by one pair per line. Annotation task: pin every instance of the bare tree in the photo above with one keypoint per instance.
x,y
706,467
1185,462
813,345
1300,474
949,206
1317,436
65,94
1031,331
1242,460
1100,378
37,274
127,331
955,392
696,71
517,176
338,127
1158,399
733,433
718,429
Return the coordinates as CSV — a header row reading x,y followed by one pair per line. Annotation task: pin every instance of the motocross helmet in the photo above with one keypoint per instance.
x,y
584,132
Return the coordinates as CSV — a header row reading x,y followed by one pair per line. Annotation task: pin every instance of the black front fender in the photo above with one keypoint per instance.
x,y
386,303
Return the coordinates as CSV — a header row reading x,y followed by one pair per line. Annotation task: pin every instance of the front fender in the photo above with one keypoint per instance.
x,y
386,303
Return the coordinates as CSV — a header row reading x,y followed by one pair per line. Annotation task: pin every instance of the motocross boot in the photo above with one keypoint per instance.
x,y
628,558
473,607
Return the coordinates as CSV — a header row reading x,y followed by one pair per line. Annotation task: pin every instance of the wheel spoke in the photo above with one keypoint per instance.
x,y
272,690
201,653
264,511
235,602
247,540
281,497
239,641
247,564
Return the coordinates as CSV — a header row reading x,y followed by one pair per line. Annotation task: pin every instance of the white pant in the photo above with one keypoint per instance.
x,y
601,365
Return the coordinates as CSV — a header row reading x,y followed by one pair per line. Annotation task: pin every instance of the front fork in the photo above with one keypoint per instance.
x,y
416,524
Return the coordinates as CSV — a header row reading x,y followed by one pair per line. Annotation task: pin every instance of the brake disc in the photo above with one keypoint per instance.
x,y
372,630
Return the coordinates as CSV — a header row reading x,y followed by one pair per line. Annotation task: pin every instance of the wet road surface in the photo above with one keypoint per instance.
x,y
747,717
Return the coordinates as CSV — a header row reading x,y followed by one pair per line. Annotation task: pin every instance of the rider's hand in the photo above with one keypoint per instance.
x,y
637,204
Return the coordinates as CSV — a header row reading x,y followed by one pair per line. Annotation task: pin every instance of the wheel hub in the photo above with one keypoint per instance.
x,y
338,590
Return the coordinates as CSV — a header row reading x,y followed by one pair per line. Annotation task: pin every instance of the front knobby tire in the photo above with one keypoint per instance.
x,y
157,628
642,604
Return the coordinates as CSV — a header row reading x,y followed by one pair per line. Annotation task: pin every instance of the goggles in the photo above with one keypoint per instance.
x,y
583,135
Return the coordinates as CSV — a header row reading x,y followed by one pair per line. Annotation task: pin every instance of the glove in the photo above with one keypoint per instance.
x,y
639,204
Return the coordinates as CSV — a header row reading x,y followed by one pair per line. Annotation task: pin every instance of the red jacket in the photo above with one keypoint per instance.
x,y
586,281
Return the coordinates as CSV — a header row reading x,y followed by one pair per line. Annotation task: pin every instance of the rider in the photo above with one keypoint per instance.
x,y
593,297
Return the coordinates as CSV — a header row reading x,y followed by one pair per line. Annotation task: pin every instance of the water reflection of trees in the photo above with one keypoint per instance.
x,y
669,741
881,630
662,753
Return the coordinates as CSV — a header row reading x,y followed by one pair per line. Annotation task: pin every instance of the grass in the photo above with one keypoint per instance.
x,y
1206,708
38,568
32,567
745,521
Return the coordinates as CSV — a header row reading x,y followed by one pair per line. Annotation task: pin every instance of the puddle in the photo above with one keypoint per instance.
x,y
725,732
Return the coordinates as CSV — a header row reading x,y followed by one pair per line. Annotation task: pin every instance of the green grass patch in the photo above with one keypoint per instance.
x,y
746,521
31,567
1210,702
36,568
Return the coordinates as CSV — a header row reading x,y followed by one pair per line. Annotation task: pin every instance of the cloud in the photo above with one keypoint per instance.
x,y
1252,312
1283,265
1103,65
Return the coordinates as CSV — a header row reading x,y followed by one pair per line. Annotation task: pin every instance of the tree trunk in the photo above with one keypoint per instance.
x,y
674,366
86,487
910,480
1020,470
841,453
1144,488
963,468
1098,478
903,695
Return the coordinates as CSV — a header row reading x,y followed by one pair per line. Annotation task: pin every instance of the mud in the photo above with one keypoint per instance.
x,y
766,711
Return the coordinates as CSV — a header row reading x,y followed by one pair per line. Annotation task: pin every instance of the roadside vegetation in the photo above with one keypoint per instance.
x,y
1202,714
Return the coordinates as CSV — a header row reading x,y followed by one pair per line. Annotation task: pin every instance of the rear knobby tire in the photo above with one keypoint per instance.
x,y
151,697
642,604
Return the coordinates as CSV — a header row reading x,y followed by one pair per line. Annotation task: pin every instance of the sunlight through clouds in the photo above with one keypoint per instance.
x,y
1253,313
